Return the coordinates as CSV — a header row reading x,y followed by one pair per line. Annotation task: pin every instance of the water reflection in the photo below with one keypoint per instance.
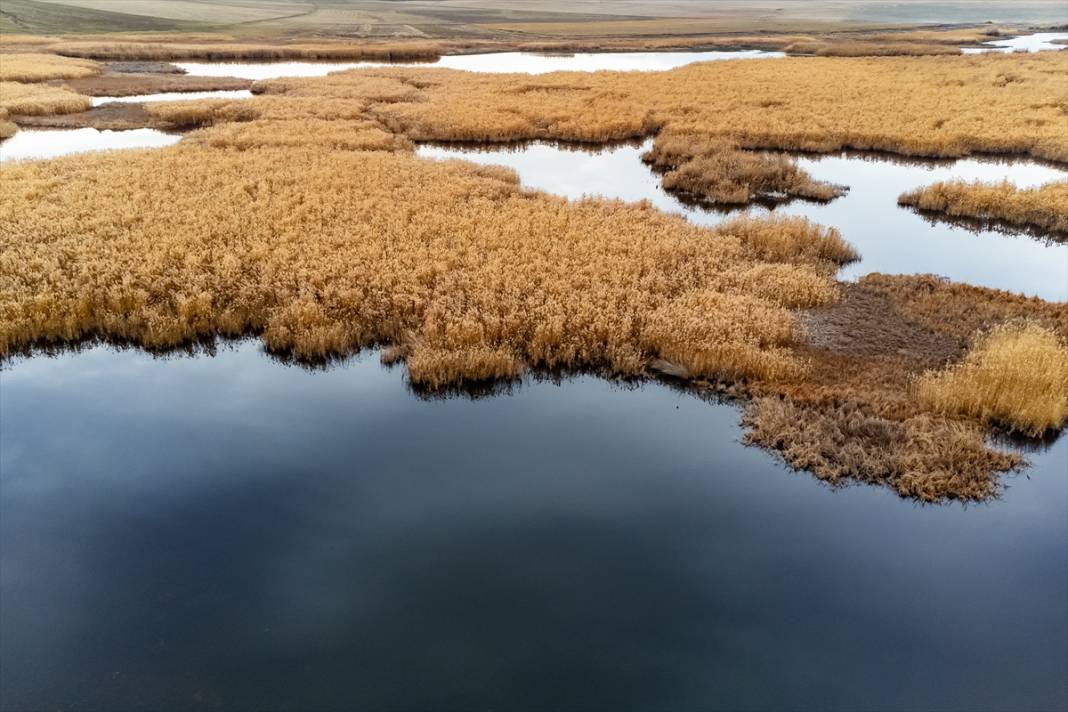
x,y
1038,42
890,239
496,62
173,96
49,143
231,532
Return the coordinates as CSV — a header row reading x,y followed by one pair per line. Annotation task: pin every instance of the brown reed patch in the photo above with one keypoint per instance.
x,y
1044,207
956,105
40,99
1015,375
325,252
137,83
221,52
39,67
862,48
716,170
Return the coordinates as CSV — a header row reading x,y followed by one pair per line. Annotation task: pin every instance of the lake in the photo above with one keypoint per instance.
x,y
231,531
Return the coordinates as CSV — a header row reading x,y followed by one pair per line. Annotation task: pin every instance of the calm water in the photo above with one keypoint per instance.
x,y
890,238
173,96
231,532
496,62
49,143
1038,42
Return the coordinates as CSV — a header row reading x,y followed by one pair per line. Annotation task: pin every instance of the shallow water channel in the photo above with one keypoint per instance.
x,y
494,62
51,143
890,239
233,532
1037,42
173,96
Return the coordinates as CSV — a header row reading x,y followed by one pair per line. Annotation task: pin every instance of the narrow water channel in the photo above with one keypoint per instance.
x,y
495,62
173,96
51,143
1037,42
232,532
891,239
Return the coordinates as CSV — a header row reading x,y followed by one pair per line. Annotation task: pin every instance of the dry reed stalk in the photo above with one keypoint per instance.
x,y
1015,375
1044,207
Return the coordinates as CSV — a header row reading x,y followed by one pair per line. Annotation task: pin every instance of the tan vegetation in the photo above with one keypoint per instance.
x,y
19,40
218,52
1044,207
134,84
929,106
38,67
855,415
7,128
862,48
715,169
1015,375
450,260
300,215
40,99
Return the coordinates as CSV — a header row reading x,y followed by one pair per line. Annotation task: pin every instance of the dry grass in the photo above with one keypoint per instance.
x,y
40,99
7,128
925,458
1015,375
929,106
260,224
135,84
325,252
862,48
1044,207
218,52
715,169
7,40
39,67
793,240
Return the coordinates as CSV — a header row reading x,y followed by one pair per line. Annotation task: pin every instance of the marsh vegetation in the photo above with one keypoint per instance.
x,y
467,277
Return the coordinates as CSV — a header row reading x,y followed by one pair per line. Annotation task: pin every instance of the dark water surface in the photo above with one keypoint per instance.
x,y
231,532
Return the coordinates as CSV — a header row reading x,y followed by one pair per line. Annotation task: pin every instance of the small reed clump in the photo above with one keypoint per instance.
x,y
717,170
1043,208
1015,376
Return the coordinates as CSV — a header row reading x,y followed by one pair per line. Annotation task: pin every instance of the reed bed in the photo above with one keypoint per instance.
x,y
716,170
134,84
300,215
221,52
40,99
326,252
1044,207
921,106
39,67
861,48
1015,376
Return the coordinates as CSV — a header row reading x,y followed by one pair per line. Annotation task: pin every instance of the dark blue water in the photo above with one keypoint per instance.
x,y
231,532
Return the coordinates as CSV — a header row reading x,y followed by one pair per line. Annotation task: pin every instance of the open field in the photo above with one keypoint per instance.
x,y
490,19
